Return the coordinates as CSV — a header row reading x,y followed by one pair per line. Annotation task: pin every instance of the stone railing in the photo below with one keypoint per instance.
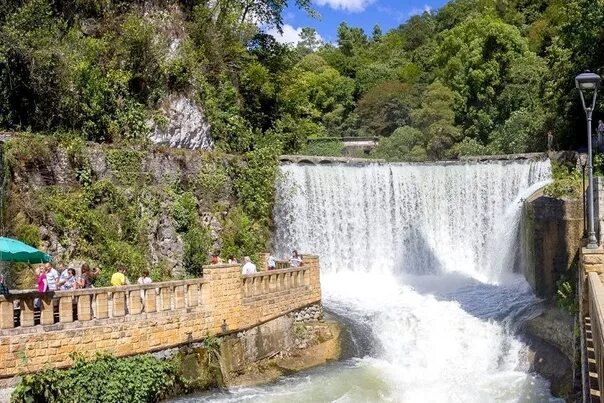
x,y
38,331
591,315
30,308
596,313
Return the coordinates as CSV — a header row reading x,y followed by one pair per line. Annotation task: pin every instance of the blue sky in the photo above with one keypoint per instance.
x,y
359,13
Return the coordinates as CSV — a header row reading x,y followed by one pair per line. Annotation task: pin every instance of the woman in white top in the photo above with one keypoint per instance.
x,y
142,280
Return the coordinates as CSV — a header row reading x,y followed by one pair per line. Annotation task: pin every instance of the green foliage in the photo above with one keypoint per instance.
x,y
103,378
567,182
97,70
242,236
184,211
386,107
405,144
125,164
254,183
197,244
326,148
489,66
28,233
566,296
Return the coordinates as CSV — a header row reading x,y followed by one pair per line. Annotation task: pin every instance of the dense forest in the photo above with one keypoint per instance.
x,y
474,77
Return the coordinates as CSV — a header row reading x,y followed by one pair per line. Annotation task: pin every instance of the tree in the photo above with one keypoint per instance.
x,y
309,41
482,60
436,119
405,144
385,107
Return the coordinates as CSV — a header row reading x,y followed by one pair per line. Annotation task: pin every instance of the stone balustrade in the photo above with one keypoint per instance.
x,y
137,319
591,314
19,309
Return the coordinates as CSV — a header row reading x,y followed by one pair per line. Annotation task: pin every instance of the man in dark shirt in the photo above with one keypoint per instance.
x,y
3,287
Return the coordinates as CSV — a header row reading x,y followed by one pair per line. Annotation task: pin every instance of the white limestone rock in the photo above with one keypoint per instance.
x,y
186,127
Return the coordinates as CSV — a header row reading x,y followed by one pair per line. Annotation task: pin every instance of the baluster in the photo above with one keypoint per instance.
x,y
84,307
135,303
102,306
179,296
7,312
119,304
192,294
65,309
47,314
150,300
165,298
27,312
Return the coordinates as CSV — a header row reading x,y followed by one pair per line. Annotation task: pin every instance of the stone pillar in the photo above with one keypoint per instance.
x,y
135,304
6,314
150,300
47,312
84,307
179,296
27,312
65,309
222,297
165,301
314,273
102,306
119,304
192,295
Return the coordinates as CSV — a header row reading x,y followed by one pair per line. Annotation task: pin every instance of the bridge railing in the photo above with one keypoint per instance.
x,y
30,308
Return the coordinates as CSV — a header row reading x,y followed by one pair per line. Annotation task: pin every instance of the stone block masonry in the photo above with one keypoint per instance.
x,y
139,319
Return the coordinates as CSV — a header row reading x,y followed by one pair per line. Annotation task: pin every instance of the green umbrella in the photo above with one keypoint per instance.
x,y
13,250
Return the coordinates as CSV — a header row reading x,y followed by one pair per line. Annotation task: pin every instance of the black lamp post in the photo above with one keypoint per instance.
x,y
588,83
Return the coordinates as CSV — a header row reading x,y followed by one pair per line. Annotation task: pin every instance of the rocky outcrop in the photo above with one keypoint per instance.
x,y
550,338
185,125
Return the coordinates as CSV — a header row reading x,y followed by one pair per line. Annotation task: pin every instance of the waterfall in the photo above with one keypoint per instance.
x,y
404,218
419,261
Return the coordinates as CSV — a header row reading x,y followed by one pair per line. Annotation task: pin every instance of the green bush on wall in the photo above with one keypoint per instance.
x,y
104,378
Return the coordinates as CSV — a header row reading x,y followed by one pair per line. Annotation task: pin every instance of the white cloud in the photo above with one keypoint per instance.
x,y
420,11
289,35
354,6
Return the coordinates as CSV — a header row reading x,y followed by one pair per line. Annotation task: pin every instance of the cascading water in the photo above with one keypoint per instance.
x,y
422,258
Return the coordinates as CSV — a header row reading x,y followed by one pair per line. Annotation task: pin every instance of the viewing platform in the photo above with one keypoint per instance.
x,y
139,319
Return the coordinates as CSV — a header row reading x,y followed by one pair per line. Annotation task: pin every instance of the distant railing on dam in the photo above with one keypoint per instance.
x,y
138,319
319,160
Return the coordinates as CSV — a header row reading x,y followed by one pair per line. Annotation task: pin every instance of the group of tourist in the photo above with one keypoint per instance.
x,y
271,263
64,279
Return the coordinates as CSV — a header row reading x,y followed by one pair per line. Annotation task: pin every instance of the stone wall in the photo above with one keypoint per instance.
x,y
551,238
118,321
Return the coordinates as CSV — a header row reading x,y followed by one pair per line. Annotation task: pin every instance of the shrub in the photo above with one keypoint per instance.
x,y
567,182
327,148
103,378
197,244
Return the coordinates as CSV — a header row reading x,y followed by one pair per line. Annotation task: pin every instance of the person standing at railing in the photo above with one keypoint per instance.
x,y
85,280
70,282
119,278
3,287
248,267
271,262
142,280
42,285
295,260
52,277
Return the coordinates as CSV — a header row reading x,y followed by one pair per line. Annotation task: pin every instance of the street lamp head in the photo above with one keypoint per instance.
x,y
588,81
